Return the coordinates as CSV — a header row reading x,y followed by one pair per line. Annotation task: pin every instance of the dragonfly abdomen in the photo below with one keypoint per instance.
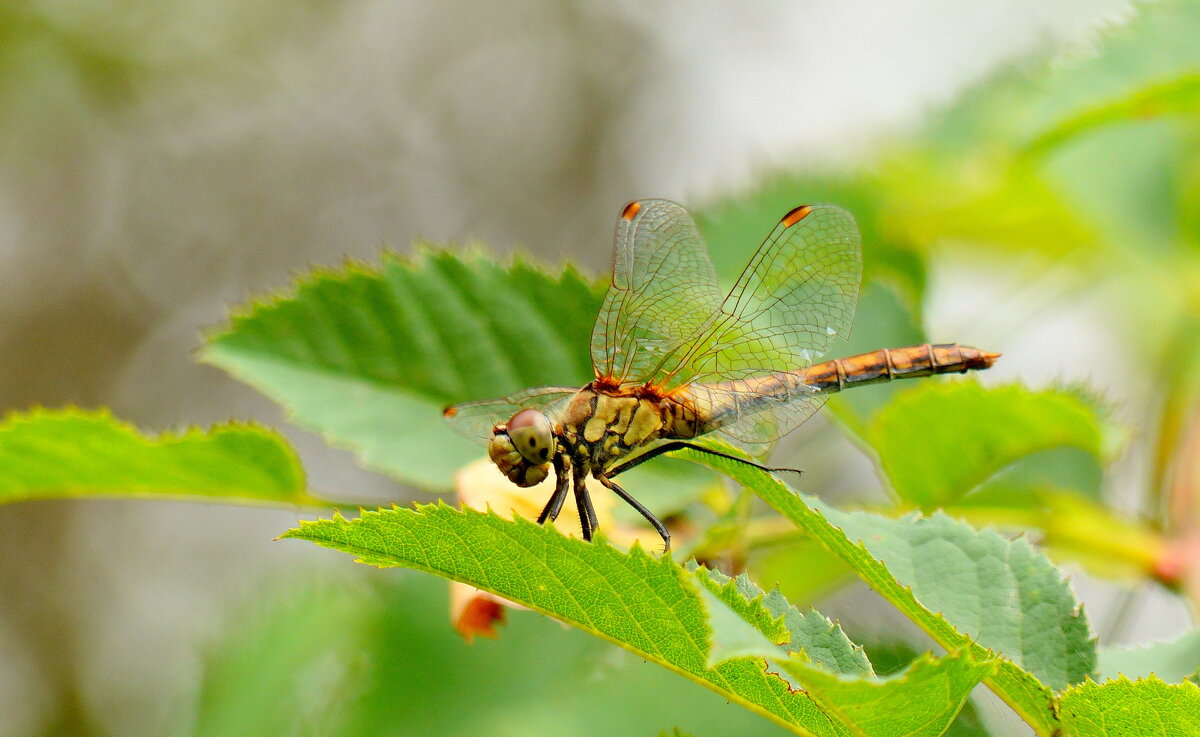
x,y
895,363
716,406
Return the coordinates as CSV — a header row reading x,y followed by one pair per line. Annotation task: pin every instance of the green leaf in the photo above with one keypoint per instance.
x,y
1070,526
369,356
890,656
732,636
76,453
1174,661
651,606
1124,708
922,700
1002,593
1061,468
963,178
968,589
823,642
938,441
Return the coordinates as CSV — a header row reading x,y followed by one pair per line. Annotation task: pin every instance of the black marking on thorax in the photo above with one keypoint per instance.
x,y
608,427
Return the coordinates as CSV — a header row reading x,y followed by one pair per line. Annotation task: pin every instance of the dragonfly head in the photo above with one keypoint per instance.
x,y
522,448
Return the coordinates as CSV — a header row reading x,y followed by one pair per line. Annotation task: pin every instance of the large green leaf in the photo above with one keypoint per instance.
x,y
1173,661
969,589
76,453
1124,708
369,356
648,605
940,440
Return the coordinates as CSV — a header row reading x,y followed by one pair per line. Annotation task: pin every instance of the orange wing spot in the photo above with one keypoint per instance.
x,y
796,215
631,210
449,412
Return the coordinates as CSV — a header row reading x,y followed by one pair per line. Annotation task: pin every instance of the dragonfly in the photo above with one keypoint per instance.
x,y
677,361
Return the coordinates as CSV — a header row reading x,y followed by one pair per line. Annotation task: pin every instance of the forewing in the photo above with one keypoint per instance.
x,y
795,296
664,291
474,420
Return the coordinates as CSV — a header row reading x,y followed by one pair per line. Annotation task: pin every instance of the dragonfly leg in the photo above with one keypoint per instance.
x,y
583,502
554,506
658,525
629,463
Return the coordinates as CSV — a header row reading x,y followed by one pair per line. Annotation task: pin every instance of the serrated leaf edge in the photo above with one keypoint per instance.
x,y
422,253
731,584
1088,684
14,418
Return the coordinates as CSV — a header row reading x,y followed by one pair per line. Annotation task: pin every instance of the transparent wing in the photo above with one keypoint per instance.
x,y
754,412
664,291
474,420
745,372
795,296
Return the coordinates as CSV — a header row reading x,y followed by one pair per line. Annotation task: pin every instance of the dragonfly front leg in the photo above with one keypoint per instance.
x,y
658,525
583,502
561,479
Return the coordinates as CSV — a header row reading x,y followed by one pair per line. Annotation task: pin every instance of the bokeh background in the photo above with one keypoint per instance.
x,y
162,162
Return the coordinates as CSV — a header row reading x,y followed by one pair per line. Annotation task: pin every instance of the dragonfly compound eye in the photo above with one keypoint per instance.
x,y
515,467
532,436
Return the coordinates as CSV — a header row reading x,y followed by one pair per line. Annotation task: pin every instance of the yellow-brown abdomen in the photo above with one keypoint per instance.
x,y
727,402
896,363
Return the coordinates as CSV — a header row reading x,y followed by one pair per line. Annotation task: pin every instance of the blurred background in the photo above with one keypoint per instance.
x,y
162,162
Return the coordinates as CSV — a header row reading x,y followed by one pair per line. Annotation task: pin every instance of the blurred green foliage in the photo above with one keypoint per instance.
x,y
304,650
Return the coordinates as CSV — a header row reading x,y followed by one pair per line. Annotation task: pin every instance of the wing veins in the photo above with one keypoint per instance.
x,y
641,293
